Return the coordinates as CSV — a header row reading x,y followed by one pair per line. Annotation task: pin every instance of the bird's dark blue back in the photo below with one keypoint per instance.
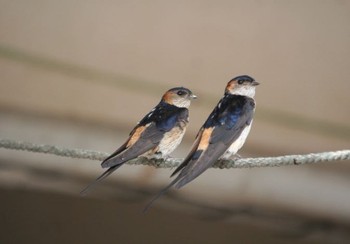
x,y
228,111
165,116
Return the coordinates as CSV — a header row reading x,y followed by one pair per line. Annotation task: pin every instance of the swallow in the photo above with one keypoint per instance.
x,y
157,135
222,134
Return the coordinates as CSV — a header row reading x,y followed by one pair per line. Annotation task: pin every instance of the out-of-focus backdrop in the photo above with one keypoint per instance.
x,y
80,74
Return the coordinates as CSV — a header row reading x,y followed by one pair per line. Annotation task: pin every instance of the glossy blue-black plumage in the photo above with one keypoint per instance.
x,y
165,116
243,78
228,111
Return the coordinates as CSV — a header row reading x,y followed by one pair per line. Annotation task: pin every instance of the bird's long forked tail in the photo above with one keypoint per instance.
x,y
99,179
162,192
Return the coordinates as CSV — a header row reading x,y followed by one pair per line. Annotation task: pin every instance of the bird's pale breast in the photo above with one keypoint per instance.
x,y
237,144
172,139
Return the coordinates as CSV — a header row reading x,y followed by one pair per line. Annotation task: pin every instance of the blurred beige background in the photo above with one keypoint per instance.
x,y
80,74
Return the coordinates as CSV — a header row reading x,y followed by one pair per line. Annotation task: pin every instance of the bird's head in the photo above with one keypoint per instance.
x,y
243,85
179,96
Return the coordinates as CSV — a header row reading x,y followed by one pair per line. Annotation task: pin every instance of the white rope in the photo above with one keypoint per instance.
x,y
173,162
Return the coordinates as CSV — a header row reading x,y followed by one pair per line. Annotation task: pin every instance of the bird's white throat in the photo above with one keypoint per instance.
x,y
182,103
248,91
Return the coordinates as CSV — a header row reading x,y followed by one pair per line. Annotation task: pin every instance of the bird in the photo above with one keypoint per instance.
x,y
222,134
156,135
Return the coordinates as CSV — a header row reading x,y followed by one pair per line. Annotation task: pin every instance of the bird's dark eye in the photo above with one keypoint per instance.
x,y
181,93
240,82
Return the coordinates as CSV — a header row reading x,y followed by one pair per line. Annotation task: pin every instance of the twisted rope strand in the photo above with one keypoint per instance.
x,y
173,162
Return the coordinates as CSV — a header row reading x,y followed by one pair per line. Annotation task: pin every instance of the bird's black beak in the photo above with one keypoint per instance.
x,y
255,83
192,96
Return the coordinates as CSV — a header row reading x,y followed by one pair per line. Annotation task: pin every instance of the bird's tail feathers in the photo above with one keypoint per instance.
x,y
162,192
99,179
